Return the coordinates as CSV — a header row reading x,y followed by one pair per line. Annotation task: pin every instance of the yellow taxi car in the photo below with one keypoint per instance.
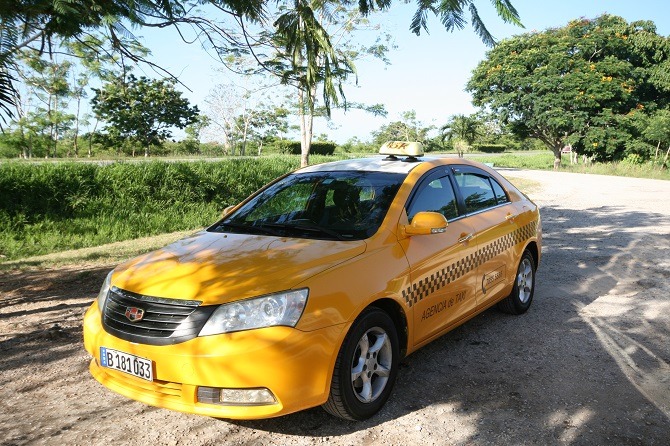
x,y
313,289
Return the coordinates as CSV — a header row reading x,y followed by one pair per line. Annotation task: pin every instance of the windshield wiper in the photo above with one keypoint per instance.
x,y
305,225
250,228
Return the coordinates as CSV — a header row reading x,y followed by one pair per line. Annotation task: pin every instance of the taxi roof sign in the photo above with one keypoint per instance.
x,y
402,148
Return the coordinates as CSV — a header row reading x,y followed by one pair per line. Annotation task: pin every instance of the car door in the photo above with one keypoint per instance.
x,y
493,218
442,272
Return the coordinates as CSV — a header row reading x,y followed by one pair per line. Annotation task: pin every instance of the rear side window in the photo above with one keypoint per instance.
x,y
477,192
499,192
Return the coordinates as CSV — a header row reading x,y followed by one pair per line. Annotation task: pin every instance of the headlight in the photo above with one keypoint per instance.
x,y
104,290
266,311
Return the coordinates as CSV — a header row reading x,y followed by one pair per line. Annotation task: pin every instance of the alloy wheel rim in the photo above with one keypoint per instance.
x,y
371,365
524,281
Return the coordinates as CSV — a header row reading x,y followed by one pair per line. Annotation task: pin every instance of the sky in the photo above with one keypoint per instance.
x,y
427,73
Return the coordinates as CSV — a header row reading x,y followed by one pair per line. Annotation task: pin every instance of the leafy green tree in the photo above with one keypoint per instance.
x,y
143,110
191,144
408,128
97,61
658,130
269,125
581,84
311,49
47,82
37,23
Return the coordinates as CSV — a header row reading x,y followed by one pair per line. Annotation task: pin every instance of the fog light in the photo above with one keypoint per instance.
x,y
247,396
236,397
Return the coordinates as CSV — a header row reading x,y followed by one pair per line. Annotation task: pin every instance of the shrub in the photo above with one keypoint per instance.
x,y
490,148
286,147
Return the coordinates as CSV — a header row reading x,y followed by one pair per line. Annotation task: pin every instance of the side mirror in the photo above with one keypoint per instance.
x,y
227,210
425,223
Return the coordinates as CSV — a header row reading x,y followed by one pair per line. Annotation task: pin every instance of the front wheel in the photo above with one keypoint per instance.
x,y
521,296
366,367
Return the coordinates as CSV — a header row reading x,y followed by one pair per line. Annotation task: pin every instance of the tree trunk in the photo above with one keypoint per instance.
x,y
306,123
76,128
665,160
557,155
56,136
243,149
51,124
90,138
24,144
30,147
305,138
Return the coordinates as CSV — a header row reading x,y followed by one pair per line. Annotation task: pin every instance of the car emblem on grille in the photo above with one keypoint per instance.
x,y
134,314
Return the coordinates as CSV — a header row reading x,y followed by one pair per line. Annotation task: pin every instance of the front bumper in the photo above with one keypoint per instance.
x,y
295,366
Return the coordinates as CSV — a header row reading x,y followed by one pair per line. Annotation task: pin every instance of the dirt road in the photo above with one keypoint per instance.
x,y
588,364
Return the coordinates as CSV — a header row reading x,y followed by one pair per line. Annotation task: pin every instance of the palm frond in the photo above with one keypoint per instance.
x,y
420,18
253,10
507,12
451,14
8,96
480,28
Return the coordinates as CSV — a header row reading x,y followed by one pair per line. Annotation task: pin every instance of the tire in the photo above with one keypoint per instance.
x,y
366,367
519,300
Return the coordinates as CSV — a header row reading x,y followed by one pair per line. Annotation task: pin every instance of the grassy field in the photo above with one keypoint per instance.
x,y
46,208
545,161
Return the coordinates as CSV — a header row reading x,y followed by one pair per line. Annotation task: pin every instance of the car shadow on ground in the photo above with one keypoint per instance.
x,y
585,364
41,314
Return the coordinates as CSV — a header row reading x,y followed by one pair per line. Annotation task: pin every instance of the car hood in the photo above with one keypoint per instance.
x,y
217,268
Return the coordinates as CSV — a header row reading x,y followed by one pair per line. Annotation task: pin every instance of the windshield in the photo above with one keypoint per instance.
x,y
321,205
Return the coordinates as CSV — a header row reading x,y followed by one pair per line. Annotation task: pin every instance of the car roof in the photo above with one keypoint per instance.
x,y
371,164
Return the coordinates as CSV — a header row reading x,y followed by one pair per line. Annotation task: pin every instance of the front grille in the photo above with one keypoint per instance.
x,y
164,322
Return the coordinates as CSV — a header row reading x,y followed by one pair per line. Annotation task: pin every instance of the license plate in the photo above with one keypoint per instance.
x,y
126,363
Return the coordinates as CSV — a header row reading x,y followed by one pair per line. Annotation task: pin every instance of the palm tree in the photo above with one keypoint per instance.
x,y
462,131
306,58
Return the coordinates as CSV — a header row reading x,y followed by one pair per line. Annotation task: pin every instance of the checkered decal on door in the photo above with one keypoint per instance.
x,y
430,284
437,280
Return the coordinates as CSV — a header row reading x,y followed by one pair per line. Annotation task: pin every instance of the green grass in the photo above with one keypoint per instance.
x,y
545,161
46,208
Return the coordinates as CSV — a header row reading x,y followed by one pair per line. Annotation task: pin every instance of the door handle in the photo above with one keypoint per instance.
x,y
465,238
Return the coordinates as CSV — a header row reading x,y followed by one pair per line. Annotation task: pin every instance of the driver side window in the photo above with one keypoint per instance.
x,y
434,196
